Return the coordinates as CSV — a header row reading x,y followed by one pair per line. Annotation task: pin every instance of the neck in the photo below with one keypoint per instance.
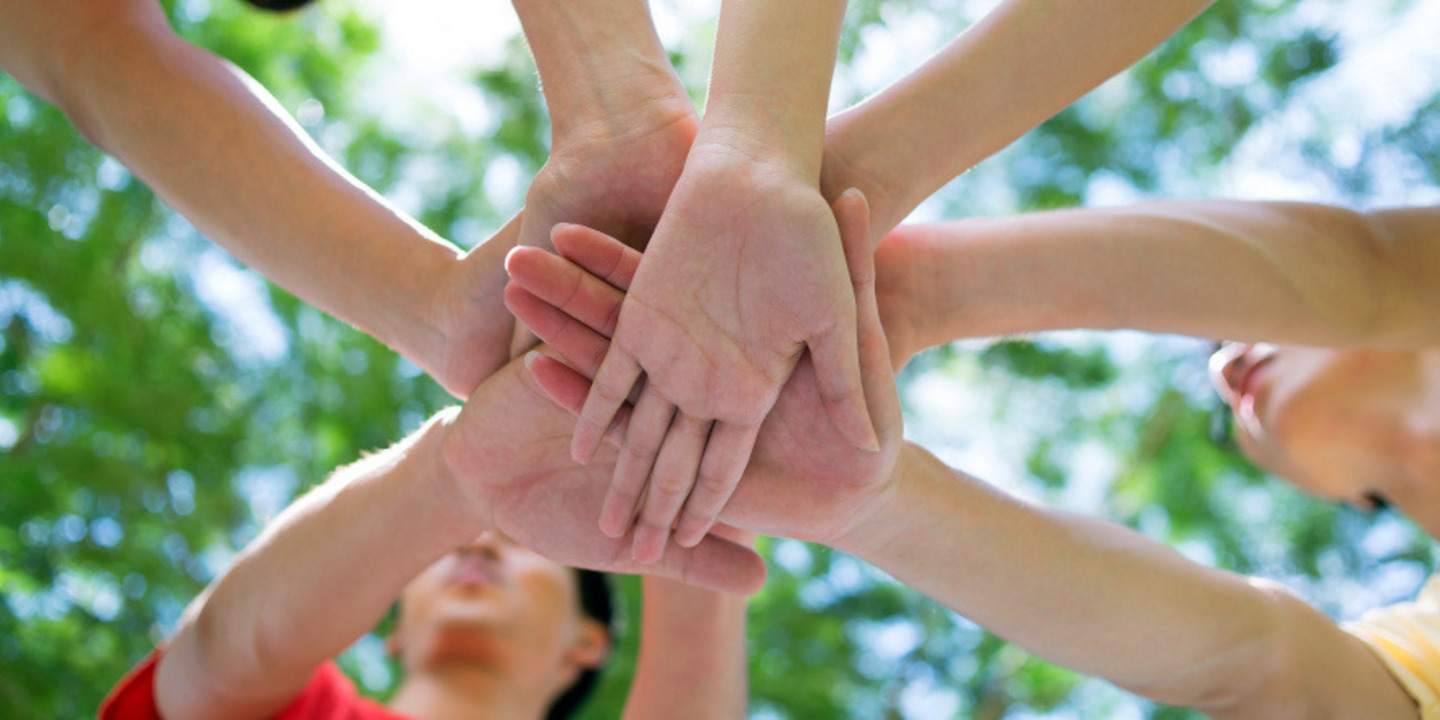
x,y
456,693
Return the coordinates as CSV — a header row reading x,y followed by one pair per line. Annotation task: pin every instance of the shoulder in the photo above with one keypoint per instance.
x,y
1406,638
329,695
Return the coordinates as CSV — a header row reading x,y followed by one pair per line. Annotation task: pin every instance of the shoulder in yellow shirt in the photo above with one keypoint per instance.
x,y
1406,637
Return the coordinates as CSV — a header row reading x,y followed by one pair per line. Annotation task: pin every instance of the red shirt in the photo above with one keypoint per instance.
x,y
328,696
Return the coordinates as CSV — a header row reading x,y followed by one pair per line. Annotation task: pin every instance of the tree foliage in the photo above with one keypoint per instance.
x,y
150,424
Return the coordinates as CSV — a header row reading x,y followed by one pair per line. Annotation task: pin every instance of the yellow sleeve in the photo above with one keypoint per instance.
x,y
1406,637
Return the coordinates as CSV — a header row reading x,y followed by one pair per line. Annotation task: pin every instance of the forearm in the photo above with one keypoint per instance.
x,y
601,65
1104,600
770,82
320,576
1023,62
1279,272
217,147
692,654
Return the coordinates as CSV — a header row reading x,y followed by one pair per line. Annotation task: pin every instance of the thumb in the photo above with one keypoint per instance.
x,y
836,352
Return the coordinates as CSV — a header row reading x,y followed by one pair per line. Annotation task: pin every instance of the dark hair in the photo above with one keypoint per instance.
x,y
279,5
597,603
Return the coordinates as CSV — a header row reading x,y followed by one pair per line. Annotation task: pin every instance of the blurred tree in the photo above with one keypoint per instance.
x,y
158,404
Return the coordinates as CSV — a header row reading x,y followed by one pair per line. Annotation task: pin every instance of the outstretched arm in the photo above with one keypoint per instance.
x,y
1258,271
1102,599
217,147
745,274
252,639
692,651
1023,62
250,642
1082,592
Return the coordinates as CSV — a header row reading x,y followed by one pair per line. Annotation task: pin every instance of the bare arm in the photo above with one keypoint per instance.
x,y
217,147
1082,592
1279,272
251,641
1023,62
692,654
1104,600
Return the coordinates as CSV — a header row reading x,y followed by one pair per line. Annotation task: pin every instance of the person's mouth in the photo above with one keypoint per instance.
x,y
1250,368
1236,369
473,572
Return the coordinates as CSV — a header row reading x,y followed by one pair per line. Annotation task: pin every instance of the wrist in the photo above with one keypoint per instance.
x,y
469,506
600,62
884,523
762,134
731,149
846,165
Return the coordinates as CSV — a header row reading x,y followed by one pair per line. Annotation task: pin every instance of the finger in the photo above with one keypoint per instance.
x,y
603,256
579,345
614,379
726,455
649,422
670,484
568,389
714,564
852,215
567,286
835,353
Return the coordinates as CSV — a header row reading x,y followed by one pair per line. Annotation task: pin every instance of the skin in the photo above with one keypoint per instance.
x,y
1347,424
995,82
711,374
745,274
252,640
219,149
1080,591
621,122
495,626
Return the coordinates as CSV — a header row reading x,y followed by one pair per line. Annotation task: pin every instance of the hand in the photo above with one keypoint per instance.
x,y
903,289
473,326
804,480
506,451
745,273
613,170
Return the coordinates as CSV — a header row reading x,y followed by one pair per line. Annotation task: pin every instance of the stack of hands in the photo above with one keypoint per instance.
x,y
739,374
734,344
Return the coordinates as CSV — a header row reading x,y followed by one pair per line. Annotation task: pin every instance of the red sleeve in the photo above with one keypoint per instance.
x,y
328,696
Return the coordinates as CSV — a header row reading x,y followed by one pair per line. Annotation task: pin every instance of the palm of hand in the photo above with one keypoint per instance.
x,y
617,179
614,179
508,447
805,480
744,269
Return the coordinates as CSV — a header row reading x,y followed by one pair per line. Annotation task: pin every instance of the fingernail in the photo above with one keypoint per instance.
x,y
530,358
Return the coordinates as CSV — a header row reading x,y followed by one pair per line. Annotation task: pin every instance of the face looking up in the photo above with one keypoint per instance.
x,y
1346,424
494,606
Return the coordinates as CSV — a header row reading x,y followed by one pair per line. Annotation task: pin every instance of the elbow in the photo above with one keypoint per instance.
x,y
211,666
1253,670
1377,299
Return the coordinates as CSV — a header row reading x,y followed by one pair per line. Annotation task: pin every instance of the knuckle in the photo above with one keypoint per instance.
x,y
672,484
610,393
641,447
